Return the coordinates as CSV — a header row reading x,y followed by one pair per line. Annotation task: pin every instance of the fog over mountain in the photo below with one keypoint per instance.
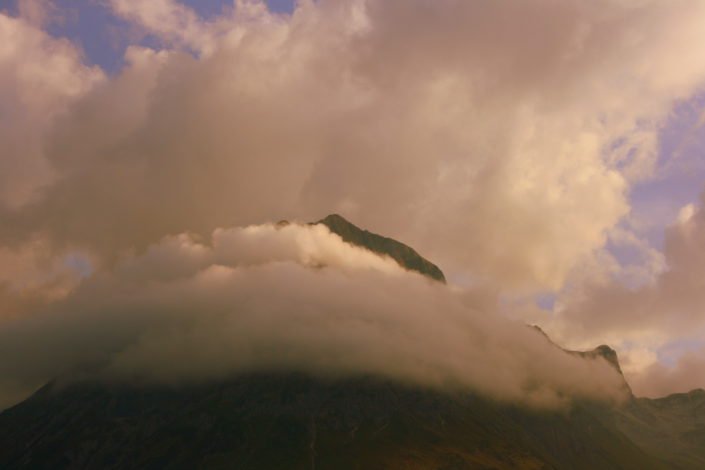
x,y
295,298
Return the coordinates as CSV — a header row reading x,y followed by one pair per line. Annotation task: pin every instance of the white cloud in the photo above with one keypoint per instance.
x,y
657,380
39,77
686,213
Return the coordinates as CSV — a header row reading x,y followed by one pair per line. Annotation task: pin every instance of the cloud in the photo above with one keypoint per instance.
x,y
649,316
33,269
659,380
672,304
36,12
499,138
39,77
504,152
289,298
167,19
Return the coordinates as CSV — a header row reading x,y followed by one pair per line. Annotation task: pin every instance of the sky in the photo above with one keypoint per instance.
x,y
549,156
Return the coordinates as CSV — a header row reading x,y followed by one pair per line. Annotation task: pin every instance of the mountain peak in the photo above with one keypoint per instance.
x,y
403,254
334,219
603,351
609,354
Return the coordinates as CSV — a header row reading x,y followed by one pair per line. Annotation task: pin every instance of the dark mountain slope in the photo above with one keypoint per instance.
x,y
671,428
406,256
291,422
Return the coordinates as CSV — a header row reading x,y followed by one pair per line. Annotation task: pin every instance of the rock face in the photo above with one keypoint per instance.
x,y
406,256
292,421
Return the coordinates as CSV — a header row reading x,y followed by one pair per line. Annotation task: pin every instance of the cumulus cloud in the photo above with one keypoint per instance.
x,y
501,151
648,316
39,77
289,298
169,20
658,380
671,305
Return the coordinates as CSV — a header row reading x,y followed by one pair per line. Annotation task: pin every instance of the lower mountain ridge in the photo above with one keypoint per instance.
x,y
292,421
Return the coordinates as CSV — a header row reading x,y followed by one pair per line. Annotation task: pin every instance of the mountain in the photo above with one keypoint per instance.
x,y
406,256
671,428
290,421
293,421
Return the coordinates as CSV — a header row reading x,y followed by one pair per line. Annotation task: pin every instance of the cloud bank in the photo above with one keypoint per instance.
x,y
263,298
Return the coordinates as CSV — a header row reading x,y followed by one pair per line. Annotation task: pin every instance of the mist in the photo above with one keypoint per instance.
x,y
292,298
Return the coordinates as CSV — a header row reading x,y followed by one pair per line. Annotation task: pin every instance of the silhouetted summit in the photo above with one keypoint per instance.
x,y
403,254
